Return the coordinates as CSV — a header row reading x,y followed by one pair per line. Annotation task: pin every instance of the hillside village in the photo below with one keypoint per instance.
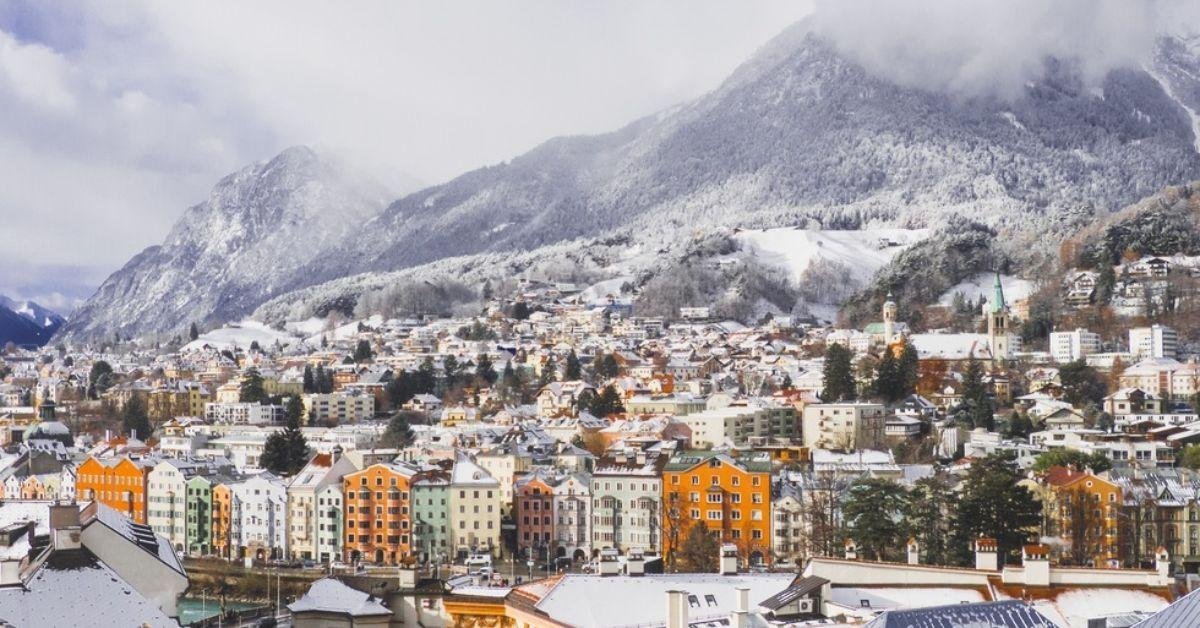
x,y
565,437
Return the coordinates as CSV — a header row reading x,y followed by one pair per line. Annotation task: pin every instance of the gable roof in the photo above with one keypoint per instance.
x,y
329,595
1007,613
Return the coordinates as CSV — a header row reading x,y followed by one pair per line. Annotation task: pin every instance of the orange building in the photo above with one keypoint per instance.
x,y
119,483
731,496
1084,510
378,515
221,512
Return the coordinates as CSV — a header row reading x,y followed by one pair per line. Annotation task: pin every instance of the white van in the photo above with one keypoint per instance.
x,y
478,560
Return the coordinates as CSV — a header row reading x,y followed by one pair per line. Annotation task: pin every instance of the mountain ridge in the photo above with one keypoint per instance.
x,y
797,136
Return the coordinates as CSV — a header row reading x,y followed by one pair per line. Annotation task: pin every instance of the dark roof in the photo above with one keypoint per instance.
x,y
1182,612
798,589
1004,614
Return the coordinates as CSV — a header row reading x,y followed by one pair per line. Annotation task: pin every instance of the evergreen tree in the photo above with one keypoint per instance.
x,y
309,385
873,514
293,410
286,451
1020,426
887,378
573,371
548,375
699,551
99,369
1082,384
520,310
399,430
607,367
930,510
450,371
993,504
838,375
1071,458
252,390
910,370
363,352
426,378
193,332
607,402
977,404
484,369
135,420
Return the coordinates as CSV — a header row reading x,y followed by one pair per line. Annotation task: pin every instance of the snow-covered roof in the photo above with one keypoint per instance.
x,y
587,600
329,595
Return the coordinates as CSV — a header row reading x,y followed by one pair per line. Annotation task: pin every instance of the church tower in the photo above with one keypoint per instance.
x,y
889,320
996,311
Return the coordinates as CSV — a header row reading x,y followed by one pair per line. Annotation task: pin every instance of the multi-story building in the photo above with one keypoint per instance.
x,y
378,513
222,519
740,424
239,413
474,509
431,516
1155,341
119,483
849,425
1068,346
174,398
167,498
200,514
626,501
338,408
730,496
330,516
258,517
321,470
1084,510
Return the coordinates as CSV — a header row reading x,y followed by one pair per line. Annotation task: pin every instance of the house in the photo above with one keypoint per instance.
x,y
730,495
60,566
329,603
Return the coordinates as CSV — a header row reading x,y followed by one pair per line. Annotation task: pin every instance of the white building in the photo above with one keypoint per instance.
x,y
339,407
474,509
329,522
850,425
741,424
303,506
258,517
1069,346
237,413
1155,341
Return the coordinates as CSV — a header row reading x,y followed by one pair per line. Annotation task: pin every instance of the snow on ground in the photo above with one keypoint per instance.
x,y
981,286
307,327
597,293
240,335
345,332
864,251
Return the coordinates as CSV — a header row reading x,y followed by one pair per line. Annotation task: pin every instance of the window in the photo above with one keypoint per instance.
x,y
714,515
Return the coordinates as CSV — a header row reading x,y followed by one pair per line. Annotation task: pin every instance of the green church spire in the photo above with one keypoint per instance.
x,y
997,296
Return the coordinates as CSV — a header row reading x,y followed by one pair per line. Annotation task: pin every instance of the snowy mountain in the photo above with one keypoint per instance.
x,y
246,243
799,136
26,323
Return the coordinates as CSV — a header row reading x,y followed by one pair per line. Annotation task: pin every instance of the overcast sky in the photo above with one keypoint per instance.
x,y
118,115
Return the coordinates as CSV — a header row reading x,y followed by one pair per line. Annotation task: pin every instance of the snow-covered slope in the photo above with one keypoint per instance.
x,y
981,286
241,335
862,251
249,241
26,322
800,135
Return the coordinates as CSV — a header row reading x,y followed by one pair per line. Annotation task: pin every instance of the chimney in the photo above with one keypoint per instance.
x,y
609,565
986,551
914,552
635,563
1036,560
729,560
65,527
740,618
677,609
851,550
1162,565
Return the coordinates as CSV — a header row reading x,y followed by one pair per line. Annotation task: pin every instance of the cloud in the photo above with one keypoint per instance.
x,y
982,47
120,114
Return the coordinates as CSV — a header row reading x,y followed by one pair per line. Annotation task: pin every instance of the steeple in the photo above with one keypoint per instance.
x,y
997,296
